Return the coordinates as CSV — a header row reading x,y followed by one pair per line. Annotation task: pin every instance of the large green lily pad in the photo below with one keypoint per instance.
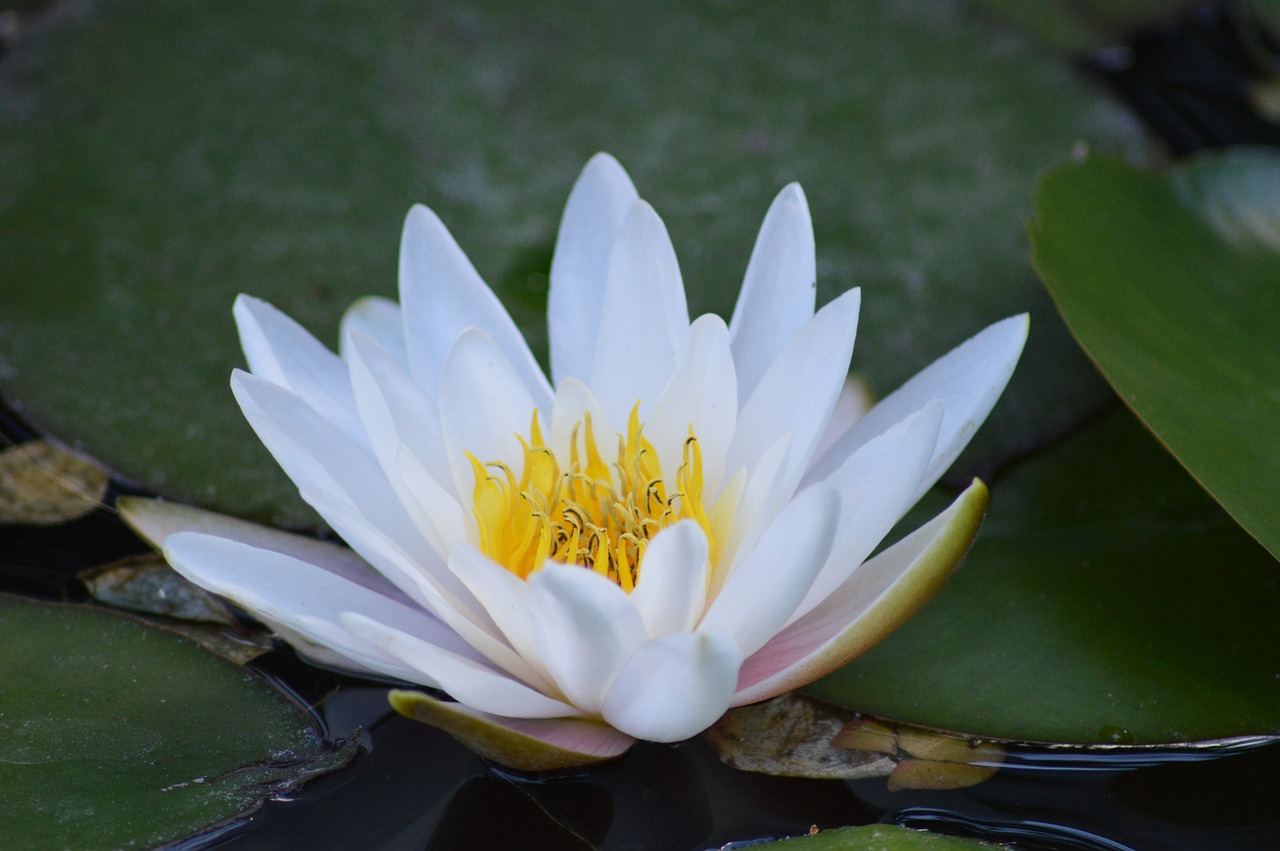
x,y
1171,282
158,163
1107,600
116,735
880,837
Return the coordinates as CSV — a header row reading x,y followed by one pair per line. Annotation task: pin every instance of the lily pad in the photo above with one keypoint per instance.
x,y
1107,600
151,175
43,485
186,740
880,837
1171,282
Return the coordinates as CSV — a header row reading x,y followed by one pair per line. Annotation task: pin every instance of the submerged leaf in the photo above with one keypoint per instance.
x,y
43,484
926,759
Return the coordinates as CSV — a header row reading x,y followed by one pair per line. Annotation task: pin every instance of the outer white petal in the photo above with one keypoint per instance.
x,y
302,597
597,205
442,295
674,687
483,406
281,351
375,317
878,598
702,394
467,681
584,627
969,379
672,588
503,595
778,292
644,319
877,485
768,583
799,390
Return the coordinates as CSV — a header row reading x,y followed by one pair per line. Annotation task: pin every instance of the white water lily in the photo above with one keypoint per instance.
x,y
678,523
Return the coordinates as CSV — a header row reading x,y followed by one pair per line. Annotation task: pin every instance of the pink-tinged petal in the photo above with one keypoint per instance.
x,y
579,269
799,390
302,598
281,351
483,406
378,318
466,680
855,400
767,583
778,292
441,295
394,410
672,588
877,485
584,627
525,744
674,687
872,603
644,319
969,379
702,395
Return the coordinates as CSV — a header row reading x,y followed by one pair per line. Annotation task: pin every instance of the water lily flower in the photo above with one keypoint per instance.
x,y
680,521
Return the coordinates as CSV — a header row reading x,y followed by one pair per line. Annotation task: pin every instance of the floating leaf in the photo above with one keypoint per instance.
x,y
147,583
1107,599
113,735
43,484
135,211
926,759
1172,285
880,837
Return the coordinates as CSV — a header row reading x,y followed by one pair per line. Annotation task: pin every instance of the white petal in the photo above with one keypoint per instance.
x,y
483,406
375,317
503,595
281,351
442,295
674,687
877,485
441,517
854,402
763,496
969,379
644,319
597,205
584,627
466,681
878,598
302,597
672,587
574,400
778,292
767,583
799,390
702,394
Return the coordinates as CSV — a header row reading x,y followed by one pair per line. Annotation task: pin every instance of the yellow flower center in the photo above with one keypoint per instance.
x,y
585,512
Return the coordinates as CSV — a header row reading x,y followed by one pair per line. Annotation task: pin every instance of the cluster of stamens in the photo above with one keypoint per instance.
x,y
589,513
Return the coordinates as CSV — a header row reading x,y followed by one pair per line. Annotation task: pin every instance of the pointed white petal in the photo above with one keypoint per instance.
x,y
778,292
876,600
674,687
483,406
854,402
597,205
702,394
763,497
767,583
969,379
877,485
644,318
281,351
584,627
379,318
574,400
672,587
467,681
442,295
302,597
799,390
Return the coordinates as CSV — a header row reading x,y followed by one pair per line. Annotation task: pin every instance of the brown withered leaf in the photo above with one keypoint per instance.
x,y
926,759
147,584
791,736
43,485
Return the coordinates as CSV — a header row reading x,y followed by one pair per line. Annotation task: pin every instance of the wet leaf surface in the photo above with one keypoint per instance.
x,y
146,191
43,484
880,837
1107,600
114,735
